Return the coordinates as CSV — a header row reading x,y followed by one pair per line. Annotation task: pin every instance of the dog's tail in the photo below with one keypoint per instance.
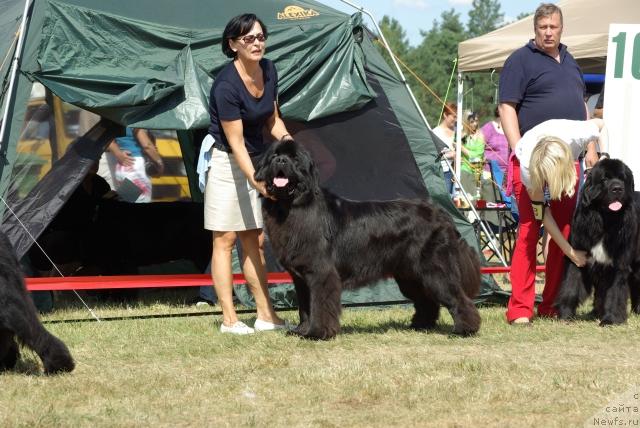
x,y
54,354
471,279
466,317
22,318
28,329
52,351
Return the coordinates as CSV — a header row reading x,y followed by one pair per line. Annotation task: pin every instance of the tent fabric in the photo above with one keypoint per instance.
x,y
156,72
46,198
585,32
151,64
10,14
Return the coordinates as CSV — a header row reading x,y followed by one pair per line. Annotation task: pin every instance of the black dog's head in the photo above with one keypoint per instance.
x,y
289,172
609,186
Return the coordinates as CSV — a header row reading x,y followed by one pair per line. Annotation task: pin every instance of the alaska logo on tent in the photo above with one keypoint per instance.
x,y
296,12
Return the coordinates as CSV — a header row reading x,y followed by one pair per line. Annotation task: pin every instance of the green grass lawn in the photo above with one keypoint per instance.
x,y
182,372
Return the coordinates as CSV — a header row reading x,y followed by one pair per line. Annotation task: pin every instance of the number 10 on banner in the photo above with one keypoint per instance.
x,y
622,99
620,40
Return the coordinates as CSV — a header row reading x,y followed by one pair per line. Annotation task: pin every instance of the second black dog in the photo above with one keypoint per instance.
x,y
607,226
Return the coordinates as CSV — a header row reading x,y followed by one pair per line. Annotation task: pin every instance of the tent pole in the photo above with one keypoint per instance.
x,y
459,125
393,58
12,79
459,190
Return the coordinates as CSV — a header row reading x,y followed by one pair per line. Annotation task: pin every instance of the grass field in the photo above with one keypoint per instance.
x,y
182,372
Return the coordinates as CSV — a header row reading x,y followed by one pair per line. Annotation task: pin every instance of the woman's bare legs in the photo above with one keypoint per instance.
x,y
221,273
255,272
253,266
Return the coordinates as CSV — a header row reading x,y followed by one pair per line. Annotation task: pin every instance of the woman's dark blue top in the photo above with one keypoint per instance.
x,y
230,100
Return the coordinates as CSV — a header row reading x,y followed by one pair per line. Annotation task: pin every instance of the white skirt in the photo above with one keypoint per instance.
x,y
230,202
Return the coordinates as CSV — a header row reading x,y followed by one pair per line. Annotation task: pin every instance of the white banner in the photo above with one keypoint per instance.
x,y
622,95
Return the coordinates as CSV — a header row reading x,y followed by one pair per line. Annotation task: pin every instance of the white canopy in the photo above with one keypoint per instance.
x,y
585,32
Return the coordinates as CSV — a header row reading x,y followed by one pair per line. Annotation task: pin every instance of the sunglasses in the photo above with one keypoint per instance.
x,y
250,38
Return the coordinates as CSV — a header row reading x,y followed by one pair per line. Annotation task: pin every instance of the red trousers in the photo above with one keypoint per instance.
x,y
523,262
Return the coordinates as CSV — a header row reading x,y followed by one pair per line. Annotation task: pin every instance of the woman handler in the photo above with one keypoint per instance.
x,y
546,158
243,102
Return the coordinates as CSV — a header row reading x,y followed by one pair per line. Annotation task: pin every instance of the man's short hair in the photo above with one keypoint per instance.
x,y
450,108
544,10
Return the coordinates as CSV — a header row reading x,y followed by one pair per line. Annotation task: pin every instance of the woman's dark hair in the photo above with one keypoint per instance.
x,y
239,26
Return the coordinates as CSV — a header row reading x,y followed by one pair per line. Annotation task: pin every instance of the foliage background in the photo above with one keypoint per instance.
x,y
434,59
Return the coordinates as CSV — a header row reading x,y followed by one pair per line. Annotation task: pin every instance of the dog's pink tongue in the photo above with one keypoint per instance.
x,y
280,182
615,206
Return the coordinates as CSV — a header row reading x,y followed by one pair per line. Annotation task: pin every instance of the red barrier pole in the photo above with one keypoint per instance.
x,y
149,281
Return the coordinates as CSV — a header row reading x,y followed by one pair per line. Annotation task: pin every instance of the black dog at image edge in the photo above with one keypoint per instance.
x,y
328,244
606,225
19,320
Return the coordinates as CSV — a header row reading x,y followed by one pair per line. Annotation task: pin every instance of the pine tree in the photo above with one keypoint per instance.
x,y
481,87
395,36
433,61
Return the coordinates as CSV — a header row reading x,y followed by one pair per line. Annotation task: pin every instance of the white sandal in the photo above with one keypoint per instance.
x,y
237,328
260,325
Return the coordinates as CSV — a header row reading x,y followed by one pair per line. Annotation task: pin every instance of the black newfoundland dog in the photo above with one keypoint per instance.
x,y
606,225
328,244
19,320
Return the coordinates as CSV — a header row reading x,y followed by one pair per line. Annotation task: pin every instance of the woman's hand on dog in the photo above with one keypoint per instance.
x,y
578,257
261,187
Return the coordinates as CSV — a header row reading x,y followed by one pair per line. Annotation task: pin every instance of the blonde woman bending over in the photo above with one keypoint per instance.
x,y
547,158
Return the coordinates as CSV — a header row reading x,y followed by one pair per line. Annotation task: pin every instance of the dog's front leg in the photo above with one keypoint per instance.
x,y
634,291
574,289
325,291
302,296
614,300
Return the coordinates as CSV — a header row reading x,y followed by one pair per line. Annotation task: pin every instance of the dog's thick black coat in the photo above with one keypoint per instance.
x,y
328,244
19,320
606,225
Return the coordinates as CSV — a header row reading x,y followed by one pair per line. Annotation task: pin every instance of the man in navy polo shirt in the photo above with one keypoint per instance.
x,y
539,81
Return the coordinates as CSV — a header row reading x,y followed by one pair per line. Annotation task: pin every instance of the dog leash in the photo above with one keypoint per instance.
x,y
48,258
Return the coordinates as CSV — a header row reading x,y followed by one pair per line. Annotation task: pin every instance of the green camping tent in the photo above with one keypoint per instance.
x,y
151,63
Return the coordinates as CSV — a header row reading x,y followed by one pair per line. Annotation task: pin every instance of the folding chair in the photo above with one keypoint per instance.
x,y
497,176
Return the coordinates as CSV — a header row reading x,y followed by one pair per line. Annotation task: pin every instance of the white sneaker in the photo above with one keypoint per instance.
x,y
237,328
260,325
